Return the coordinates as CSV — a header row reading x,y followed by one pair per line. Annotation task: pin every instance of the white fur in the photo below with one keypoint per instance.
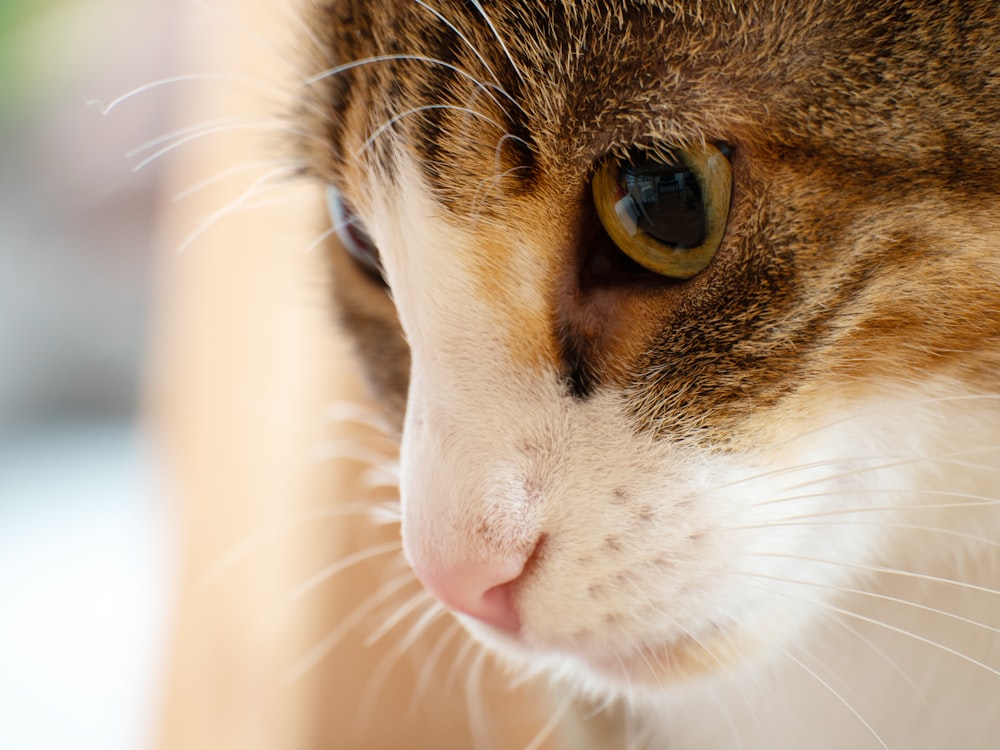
x,y
702,542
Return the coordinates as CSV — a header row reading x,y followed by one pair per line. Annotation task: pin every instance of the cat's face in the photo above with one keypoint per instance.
x,y
633,477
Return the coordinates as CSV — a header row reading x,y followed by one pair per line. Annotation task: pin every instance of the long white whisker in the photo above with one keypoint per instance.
x,y
318,652
496,34
214,130
975,501
894,525
460,657
893,628
106,109
888,660
872,595
347,449
337,70
189,129
378,677
234,206
476,706
944,459
352,411
237,204
864,413
417,110
891,462
222,175
323,237
550,725
881,569
430,663
846,703
369,553
242,550
468,44
402,611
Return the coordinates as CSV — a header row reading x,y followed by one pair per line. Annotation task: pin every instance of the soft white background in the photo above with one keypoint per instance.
x,y
84,527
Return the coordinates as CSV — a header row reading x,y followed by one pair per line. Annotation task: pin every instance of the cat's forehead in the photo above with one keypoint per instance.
x,y
863,161
576,78
566,82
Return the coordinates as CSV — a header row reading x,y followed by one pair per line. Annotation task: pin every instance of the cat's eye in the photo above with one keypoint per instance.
x,y
666,212
352,235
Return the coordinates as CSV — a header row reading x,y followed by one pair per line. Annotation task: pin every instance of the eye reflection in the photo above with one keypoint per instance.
x,y
662,200
666,211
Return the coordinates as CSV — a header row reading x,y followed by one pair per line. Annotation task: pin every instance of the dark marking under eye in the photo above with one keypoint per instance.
x,y
579,378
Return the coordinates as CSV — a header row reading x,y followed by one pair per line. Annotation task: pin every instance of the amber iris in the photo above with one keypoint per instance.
x,y
667,211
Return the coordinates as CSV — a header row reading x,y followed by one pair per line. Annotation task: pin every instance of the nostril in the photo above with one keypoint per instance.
x,y
497,608
484,591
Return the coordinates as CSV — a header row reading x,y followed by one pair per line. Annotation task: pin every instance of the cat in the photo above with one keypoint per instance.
x,y
687,314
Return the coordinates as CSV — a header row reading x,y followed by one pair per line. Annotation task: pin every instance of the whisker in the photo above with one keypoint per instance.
x,y
500,41
723,710
106,109
406,608
230,209
220,176
881,524
944,459
891,662
352,411
189,129
476,706
769,473
417,110
343,564
320,651
430,663
892,462
493,182
337,70
346,449
385,513
423,623
460,657
872,595
864,413
378,677
243,549
892,628
471,46
383,477
239,203
835,693
746,698
976,501
881,569
323,237
550,725
214,130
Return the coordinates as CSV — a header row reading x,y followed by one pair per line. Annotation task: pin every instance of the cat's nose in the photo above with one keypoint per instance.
x,y
483,590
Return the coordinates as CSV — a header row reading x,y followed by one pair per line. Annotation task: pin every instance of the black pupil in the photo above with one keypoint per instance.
x,y
665,201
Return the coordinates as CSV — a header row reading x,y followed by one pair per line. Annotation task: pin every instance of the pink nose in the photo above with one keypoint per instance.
x,y
480,590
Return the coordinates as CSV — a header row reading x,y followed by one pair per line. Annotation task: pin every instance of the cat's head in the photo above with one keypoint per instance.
x,y
696,302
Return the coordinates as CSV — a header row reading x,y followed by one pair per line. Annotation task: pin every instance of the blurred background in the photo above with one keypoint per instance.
x,y
84,581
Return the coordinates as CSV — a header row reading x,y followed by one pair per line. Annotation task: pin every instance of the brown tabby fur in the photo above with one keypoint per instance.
x,y
865,165
861,251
